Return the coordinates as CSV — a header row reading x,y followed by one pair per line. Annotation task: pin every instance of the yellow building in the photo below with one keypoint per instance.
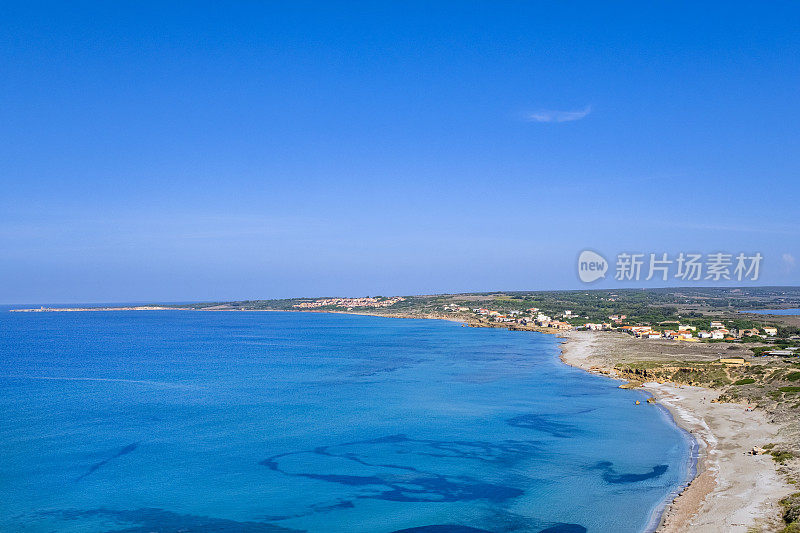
x,y
735,361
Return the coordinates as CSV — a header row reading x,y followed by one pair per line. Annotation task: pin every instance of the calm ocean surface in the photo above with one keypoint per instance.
x,y
267,422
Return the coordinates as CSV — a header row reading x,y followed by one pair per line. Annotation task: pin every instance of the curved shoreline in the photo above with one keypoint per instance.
x,y
692,469
693,462
731,491
700,483
723,491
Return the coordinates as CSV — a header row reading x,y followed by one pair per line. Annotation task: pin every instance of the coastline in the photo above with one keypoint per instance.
x,y
645,513
731,490
428,316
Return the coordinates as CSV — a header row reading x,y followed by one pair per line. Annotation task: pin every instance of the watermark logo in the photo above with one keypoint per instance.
x,y
591,266
631,266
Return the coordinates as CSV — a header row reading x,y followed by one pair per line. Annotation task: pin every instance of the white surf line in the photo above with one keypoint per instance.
x,y
114,380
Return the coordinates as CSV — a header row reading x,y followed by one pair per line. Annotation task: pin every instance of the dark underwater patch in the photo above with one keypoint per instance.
x,y
149,520
545,424
312,509
125,450
344,504
562,527
376,371
353,481
610,475
442,489
443,528
435,488
404,483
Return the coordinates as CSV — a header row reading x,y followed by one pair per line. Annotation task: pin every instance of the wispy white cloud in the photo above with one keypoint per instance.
x,y
549,115
789,262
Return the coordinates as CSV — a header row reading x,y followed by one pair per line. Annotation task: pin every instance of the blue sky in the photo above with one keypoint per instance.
x,y
194,151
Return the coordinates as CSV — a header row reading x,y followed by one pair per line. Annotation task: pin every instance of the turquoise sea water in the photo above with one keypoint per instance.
x,y
774,311
268,422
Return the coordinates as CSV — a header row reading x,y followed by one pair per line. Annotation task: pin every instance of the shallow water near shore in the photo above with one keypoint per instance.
x,y
270,422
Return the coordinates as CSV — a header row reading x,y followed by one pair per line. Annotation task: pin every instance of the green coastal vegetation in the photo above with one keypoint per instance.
x,y
791,513
760,384
661,308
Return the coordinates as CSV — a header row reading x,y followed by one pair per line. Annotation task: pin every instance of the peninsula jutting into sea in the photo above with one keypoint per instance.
x,y
723,361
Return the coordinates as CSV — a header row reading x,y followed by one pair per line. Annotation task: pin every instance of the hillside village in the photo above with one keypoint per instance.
x,y
697,331
350,303
683,314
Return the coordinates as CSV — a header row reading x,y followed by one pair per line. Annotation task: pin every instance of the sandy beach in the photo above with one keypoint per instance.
x,y
733,491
